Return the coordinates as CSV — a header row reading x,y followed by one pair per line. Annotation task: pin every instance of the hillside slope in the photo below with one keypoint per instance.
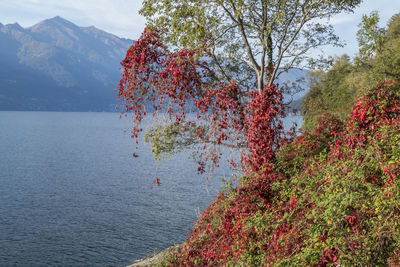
x,y
57,65
333,198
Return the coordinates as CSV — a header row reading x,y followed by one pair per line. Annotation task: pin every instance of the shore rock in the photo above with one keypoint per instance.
x,y
151,260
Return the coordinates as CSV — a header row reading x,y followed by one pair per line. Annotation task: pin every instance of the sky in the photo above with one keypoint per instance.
x,y
121,17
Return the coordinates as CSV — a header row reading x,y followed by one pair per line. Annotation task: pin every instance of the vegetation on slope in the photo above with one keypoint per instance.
x,y
335,198
328,197
337,90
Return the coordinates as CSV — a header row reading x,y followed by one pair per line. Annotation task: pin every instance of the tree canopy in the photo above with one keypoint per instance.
x,y
245,37
221,59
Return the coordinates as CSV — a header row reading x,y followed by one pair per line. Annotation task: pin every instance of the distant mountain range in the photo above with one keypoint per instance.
x,y
298,77
56,65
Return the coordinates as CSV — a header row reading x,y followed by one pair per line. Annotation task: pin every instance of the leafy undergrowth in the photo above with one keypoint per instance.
x,y
332,198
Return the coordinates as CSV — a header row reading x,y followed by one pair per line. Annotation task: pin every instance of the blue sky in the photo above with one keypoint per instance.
x,y
121,17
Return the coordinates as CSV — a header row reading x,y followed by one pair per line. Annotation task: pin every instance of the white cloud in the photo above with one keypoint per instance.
x,y
342,18
116,16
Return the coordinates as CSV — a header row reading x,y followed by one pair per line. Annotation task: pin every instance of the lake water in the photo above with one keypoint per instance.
x,y
71,194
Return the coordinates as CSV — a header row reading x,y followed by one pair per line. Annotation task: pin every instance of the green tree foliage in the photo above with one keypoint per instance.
x,y
336,90
387,61
370,36
246,37
329,93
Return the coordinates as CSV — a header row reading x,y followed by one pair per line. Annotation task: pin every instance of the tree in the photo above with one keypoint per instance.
x,y
379,49
247,36
387,61
222,58
370,36
330,92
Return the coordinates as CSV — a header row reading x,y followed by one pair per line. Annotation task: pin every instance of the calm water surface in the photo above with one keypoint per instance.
x,y
71,194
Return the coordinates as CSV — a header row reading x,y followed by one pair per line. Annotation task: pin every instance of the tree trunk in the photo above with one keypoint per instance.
x,y
269,52
260,81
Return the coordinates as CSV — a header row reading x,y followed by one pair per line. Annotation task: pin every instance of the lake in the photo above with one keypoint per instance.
x,y
71,194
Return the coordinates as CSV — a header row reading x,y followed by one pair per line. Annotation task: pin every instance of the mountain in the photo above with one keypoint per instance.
x,y
295,79
295,76
56,65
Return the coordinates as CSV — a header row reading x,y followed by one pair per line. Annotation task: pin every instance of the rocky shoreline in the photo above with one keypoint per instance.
x,y
153,259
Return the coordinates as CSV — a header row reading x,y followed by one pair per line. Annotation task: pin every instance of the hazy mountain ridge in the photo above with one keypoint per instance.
x,y
57,65
296,77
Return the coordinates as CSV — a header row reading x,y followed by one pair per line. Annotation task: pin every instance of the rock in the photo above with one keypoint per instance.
x,y
154,259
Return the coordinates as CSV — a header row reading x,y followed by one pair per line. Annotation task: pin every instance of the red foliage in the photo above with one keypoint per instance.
x,y
214,244
175,80
250,121
380,105
222,234
153,74
264,129
328,125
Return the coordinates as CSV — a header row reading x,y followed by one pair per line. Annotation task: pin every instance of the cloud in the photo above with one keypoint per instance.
x,y
119,17
342,18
